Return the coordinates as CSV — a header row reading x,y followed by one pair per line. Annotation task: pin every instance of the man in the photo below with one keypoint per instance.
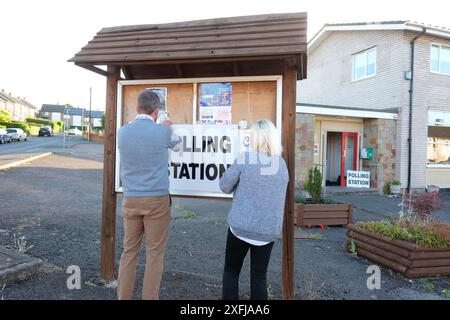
x,y
143,148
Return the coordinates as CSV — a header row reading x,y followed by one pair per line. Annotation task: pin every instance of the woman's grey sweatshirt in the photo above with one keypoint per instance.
x,y
259,183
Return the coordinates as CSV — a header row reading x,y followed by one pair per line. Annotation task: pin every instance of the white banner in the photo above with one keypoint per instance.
x,y
55,116
97,122
358,179
202,157
76,121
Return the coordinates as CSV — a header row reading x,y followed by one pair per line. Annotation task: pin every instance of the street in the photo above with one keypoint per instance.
x,y
15,152
37,144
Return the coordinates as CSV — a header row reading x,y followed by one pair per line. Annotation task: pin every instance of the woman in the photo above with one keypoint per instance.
x,y
258,180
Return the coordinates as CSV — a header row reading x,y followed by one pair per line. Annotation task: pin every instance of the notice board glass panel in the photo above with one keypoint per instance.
x,y
179,101
251,100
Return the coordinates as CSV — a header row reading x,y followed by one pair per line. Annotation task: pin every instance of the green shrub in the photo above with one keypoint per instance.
x,y
5,116
314,185
17,124
55,125
395,182
34,129
435,235
39,121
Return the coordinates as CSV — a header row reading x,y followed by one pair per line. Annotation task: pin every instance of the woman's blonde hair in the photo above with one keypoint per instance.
x,y
265,138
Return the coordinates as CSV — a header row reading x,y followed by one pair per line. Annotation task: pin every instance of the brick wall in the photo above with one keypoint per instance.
x,y
304,146
378,135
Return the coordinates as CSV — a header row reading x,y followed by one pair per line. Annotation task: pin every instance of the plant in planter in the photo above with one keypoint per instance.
x,y
432,188
315,210
395,187
414,245
421,205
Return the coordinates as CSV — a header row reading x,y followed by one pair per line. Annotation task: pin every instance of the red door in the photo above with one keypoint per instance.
x,y
349,154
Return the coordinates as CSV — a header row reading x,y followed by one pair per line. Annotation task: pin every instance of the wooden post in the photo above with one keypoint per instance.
x,y
108,236
288,121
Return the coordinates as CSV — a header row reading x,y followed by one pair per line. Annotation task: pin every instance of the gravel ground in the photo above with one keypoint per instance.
x,y
55,202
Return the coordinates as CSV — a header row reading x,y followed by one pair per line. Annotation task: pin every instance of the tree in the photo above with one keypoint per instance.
x,y
314,185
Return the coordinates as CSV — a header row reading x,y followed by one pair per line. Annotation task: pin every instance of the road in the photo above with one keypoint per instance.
x,y
37,144
17,151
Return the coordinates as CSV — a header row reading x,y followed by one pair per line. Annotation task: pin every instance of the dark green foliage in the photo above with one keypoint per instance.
x,y
314,185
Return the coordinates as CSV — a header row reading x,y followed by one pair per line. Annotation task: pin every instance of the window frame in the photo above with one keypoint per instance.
x,y
366,54
439,60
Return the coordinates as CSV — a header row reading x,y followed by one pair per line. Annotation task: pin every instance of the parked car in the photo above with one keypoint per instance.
x,y
45,131
4,136
17,134
74,132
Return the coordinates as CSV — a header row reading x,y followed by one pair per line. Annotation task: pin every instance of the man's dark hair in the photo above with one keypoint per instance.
x,y
147,102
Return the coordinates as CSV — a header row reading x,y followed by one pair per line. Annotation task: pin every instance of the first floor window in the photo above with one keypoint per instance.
x,y
364,64
440,59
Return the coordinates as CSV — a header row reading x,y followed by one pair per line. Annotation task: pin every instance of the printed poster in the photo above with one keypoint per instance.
x,y
215,103
162,94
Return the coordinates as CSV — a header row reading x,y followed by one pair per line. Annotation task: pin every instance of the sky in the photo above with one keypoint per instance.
x,y
38,37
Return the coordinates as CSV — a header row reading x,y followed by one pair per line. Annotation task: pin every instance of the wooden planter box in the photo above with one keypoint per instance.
x,y
399,255
324,214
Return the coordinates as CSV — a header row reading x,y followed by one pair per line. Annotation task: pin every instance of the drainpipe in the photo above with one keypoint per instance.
x,y
413,42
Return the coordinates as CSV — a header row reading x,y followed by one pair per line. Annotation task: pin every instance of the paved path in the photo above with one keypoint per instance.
x,y
387,207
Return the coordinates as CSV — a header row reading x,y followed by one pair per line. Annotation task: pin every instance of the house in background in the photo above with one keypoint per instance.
x,y
377,99
73,117
19,108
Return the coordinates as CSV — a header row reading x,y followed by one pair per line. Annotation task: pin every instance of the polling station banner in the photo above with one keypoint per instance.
x,y
201,158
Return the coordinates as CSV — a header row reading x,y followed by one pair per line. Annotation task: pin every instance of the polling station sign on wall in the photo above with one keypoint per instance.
x,y
358,179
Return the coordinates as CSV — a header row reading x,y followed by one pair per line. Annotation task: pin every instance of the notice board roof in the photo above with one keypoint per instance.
x,y
236,37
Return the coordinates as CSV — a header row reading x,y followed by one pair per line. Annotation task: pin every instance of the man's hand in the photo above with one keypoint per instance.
x,y
167,123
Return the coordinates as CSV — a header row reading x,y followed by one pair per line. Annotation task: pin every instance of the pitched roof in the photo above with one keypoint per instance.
x,y
259,35
70,110
9,98
436,31
53,108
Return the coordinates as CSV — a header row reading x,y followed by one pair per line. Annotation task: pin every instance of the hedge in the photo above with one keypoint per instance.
x,y
56,125
29,128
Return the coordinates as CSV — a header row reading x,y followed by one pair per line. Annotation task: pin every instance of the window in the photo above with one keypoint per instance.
x,y
438,147
364,64
440,59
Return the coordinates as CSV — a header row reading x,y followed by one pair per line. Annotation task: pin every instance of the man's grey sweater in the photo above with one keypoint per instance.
x,y
259,183
143,148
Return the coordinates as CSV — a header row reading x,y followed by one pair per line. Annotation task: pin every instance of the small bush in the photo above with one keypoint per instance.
x,y
387,188
395,182
314,185
435,235
424,203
